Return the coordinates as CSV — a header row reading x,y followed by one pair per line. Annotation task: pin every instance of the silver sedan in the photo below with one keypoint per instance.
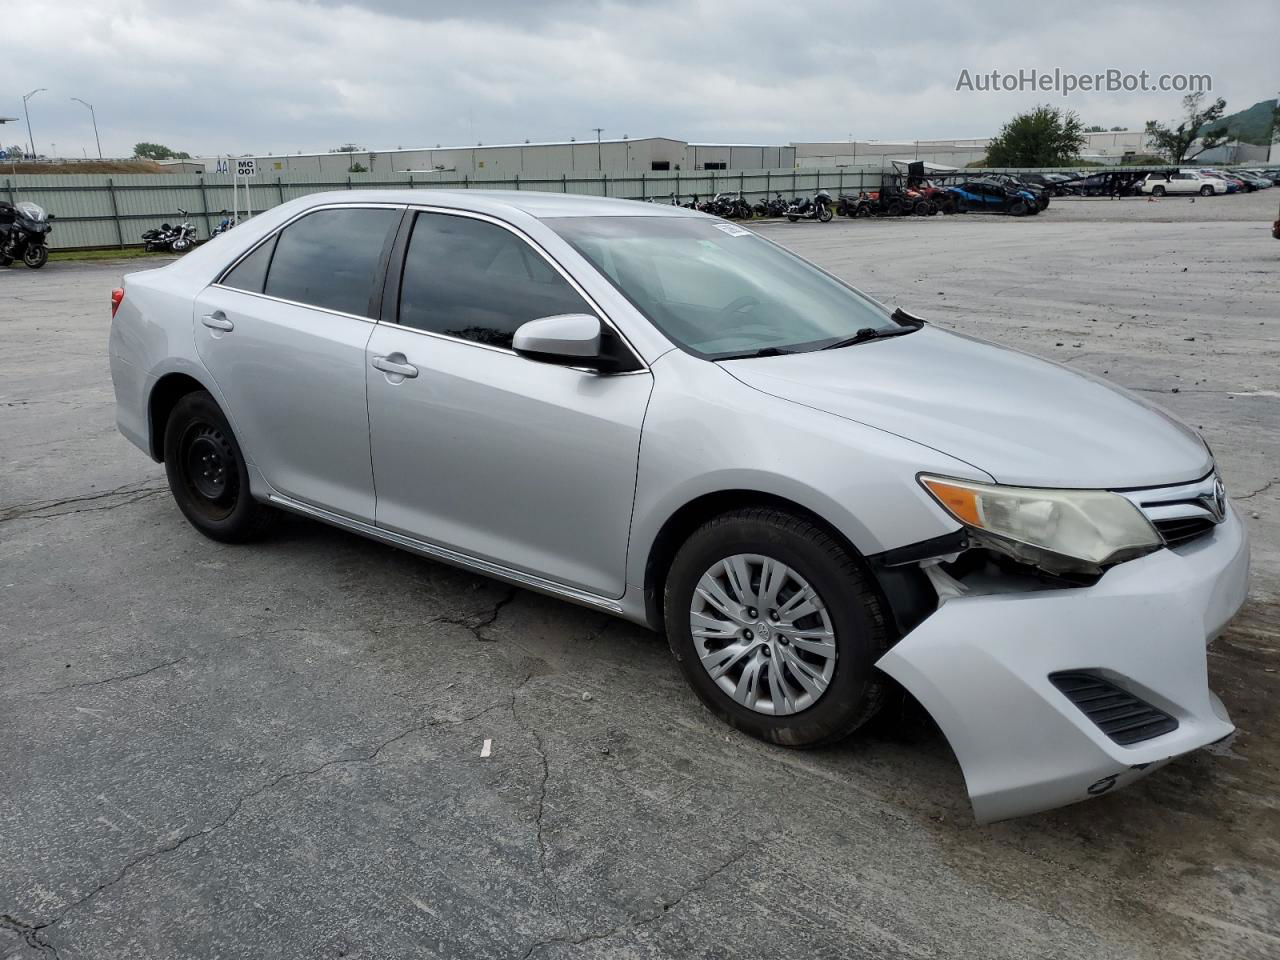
x,y
665,416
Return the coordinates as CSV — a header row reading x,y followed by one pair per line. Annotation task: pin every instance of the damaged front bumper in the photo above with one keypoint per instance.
x,y
981,665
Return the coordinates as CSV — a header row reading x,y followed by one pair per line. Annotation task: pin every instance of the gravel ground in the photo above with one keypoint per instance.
x,y
274,751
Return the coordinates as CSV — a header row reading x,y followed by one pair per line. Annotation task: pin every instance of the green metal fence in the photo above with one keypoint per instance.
x,y
113,211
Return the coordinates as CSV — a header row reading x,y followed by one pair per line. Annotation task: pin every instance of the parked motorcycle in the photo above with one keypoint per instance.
x,y
178,238
817,207
24,229
224,224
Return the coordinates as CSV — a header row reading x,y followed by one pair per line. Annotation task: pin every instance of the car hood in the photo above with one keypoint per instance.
x,y
1021,419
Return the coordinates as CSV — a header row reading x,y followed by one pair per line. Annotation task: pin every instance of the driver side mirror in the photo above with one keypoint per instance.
x,y
568,339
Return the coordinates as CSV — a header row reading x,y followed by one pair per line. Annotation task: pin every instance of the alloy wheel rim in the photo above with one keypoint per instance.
x,y
763,634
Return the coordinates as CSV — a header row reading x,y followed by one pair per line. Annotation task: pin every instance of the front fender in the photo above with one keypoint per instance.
x,y
859,479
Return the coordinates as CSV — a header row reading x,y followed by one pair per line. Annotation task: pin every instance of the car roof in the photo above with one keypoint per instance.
x,y
536,203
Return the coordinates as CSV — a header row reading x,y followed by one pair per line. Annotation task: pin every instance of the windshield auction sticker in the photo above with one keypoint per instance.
x,y
732,229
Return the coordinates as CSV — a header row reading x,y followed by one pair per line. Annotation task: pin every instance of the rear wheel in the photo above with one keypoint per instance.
x,y
894,209
1157,191
776,627
207,472
35,257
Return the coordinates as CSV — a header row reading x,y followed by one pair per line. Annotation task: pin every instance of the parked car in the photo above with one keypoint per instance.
x,y
1234,184
991,196
1181,181
662,415
1250,180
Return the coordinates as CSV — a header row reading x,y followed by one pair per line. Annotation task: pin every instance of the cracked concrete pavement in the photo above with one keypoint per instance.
x,y
274,751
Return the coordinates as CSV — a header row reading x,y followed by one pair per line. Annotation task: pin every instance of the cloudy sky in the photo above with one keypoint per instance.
x,y
287,76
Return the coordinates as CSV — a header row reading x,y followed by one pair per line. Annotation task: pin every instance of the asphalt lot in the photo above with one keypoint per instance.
x,y
274,751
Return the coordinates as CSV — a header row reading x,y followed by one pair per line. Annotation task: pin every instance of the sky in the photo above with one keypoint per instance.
x,y
284,76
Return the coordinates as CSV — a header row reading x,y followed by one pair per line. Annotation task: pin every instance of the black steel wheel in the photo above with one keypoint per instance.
x,y
207,472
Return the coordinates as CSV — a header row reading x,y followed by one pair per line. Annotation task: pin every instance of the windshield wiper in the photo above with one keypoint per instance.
x,y
906,324
752,354
869,333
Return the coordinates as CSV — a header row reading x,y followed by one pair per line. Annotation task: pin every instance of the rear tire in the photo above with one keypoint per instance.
x,y
207,472
779,708
1157,191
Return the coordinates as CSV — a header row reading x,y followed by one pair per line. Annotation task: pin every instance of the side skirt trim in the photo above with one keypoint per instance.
x,y
445,555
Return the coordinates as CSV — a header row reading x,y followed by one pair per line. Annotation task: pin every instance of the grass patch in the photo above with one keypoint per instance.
x,y
129,253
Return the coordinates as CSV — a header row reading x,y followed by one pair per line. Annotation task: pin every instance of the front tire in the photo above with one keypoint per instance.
x,y
776,627
207,472
1157,191
824,213
1206,191
36,257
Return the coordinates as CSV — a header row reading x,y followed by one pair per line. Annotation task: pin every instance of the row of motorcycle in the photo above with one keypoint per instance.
x,y
181,237
734,206
891,201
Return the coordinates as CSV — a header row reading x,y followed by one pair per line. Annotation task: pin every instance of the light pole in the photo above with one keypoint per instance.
x,y
94,117
30,139
599,154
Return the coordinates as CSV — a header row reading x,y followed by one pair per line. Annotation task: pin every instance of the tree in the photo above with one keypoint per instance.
x,y
357,168
1175,142
347,148
1044,137
158,151
1095,129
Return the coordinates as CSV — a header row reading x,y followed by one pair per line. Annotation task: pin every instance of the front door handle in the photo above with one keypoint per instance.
x,y
217,321
395,365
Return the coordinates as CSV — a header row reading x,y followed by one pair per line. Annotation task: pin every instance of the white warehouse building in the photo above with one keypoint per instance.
x,y
536,160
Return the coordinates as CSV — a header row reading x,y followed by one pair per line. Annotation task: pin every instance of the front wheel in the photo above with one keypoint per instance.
x,y
35,257
1157,191
793,217
824,213
1019,209
207,473
776,627
1206,191
181,244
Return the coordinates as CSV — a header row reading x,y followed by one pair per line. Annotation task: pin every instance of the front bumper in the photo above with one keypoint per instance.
x,y
980,665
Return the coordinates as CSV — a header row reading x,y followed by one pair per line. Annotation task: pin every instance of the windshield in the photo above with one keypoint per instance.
x,y
718,290
30,210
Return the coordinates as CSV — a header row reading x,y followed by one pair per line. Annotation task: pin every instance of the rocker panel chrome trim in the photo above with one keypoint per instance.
x,y
446,555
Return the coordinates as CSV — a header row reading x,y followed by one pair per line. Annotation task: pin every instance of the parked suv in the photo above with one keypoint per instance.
x,y
1182,181
660,414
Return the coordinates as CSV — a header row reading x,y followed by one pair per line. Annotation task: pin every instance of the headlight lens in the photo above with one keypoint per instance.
x,y
1093,526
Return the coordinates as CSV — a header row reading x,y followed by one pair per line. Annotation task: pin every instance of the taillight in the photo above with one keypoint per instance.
x,y
117,295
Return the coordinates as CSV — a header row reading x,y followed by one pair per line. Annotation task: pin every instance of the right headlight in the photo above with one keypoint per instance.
x,y
1095,528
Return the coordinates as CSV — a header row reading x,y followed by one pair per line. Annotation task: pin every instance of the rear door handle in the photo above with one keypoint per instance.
x,y
217,321
395,365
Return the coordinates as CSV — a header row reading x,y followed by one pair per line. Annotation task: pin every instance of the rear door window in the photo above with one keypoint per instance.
x,y
332,259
